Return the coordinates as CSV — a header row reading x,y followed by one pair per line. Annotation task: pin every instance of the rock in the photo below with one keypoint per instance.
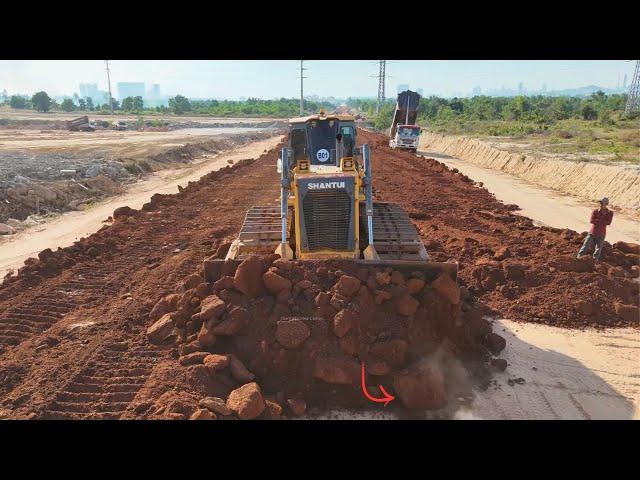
x,y
223,283
406,305
421,387
348,286
274,283
297,406
391,351
323,298
248,277
216,405
161,329
338,301
628,313
124,212
206,337
498,364
188,348
292,333
337,370
235,321
16,224
377,367
159,309
349,345
397,278
478,326
238,370
502,253
514,271
247,401
627,247
383,278
211,307
495,343
6,229
573,264
343,322
215,362
447,288
202,414
585,308
192,281
272,411
415,285
213,269
193,358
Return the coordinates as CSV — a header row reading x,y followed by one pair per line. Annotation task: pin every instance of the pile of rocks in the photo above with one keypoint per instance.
x,y
263,338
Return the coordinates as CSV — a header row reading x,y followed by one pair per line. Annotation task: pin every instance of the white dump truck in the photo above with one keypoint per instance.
x,y
404,133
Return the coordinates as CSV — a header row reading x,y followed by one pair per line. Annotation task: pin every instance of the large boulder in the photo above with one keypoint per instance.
x,y
216,405
248,277
628,313
274,283
291,334
238,370
406,305
337,370
447,288
247,402
161,329
421,386
236,319
211,307
348,286
627,247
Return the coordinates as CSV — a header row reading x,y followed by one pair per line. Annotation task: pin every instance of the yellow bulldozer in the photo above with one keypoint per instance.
x,y
326,206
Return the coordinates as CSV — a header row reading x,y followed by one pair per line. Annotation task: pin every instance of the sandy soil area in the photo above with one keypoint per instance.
x,y
71,226
546,206
116,141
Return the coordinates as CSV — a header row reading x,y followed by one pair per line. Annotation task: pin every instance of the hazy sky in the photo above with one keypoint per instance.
x,y
339,78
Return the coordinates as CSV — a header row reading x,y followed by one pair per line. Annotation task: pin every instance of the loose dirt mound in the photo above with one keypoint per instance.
x,y
303,332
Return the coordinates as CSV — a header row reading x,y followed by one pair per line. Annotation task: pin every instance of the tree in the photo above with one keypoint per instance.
x,y
18,101
67,105
588,112
138,103
5,96
89,101
82,105
127,104
41,101
179,104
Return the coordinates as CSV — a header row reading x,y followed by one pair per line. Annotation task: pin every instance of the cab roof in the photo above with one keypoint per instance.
x,y
323,116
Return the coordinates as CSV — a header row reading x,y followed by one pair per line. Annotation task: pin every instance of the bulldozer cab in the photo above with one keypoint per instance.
x,y
322,140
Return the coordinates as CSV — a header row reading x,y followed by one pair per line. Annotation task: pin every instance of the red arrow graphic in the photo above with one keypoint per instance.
x,y
386,399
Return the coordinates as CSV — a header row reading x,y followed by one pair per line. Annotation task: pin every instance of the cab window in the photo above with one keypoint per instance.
x,y
299,144
348,140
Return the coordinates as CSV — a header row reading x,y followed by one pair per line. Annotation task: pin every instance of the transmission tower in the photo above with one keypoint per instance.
x,y
633,102
106,62
302,77
381,79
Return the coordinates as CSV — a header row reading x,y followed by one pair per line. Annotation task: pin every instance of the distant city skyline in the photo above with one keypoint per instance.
x,y
340,79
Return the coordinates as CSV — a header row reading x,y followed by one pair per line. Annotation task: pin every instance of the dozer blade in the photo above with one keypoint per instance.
x,y
397,244
261,232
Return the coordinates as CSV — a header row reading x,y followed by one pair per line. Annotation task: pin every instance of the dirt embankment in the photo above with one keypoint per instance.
x,y
81,339
51,183
587,180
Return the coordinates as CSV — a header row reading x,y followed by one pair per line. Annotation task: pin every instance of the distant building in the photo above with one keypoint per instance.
x,y
624,81
91,90
419,90
130,89
477,91
520,88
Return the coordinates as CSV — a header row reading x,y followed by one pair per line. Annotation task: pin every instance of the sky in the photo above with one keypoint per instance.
x,y
339,78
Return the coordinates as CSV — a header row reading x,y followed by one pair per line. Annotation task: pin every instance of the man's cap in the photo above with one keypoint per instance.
x,y
605,201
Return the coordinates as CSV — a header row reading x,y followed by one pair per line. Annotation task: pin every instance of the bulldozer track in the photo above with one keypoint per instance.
x,y
106,386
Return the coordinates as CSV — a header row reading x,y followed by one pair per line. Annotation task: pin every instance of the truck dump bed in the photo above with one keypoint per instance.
x,y
407,101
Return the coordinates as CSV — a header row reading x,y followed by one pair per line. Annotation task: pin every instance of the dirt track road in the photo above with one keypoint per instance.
x,y
72,342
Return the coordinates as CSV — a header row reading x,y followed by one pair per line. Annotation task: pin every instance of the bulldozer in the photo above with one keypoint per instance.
x,y
326,209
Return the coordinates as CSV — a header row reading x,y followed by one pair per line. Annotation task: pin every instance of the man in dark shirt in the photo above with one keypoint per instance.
x,y
600,218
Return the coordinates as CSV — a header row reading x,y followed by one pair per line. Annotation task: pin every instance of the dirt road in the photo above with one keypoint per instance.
x,y
543,205
71,226
72,325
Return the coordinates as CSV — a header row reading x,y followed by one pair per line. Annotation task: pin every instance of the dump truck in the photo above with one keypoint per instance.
x,y
404,133
120,125
81,124
326,209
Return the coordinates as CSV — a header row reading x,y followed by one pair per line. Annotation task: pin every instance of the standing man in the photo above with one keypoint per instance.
x,y
600,218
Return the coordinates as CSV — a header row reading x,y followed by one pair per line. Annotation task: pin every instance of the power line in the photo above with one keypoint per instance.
x,y
633,102
302,77
109,82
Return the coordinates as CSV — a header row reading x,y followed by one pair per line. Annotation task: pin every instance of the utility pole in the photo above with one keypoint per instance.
x,y
381,79
109,82
633,100
302,77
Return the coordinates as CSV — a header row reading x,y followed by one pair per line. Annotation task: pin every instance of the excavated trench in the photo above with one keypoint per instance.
x,y
131,323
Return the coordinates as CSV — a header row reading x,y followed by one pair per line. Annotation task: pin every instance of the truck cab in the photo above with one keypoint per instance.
x,y
407,136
